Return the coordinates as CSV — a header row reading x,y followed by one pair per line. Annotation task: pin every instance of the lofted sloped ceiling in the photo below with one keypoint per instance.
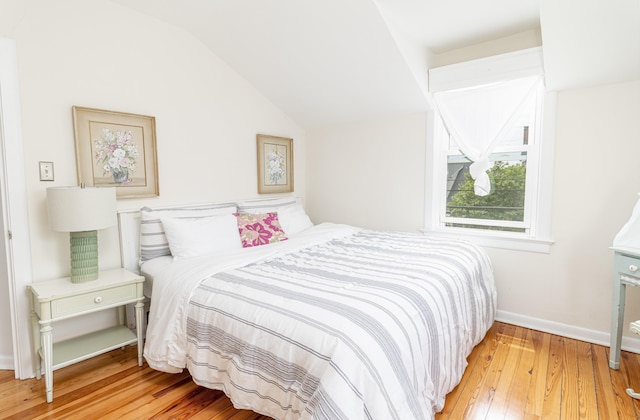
x,y
337,61
322,62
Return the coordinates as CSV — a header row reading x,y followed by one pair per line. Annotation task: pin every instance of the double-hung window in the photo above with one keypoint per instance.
x,y
490,152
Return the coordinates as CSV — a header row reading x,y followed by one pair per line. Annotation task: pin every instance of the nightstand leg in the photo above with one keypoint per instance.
x,y
47,353
617,316
35,333
121,316
139,318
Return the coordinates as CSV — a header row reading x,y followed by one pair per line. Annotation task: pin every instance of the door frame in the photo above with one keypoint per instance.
x,y
14,219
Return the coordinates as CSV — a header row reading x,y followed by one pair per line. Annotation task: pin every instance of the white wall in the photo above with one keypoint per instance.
x,y
596,185
371,175
97,54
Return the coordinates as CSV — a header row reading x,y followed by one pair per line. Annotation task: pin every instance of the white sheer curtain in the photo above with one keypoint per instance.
x,y
479,118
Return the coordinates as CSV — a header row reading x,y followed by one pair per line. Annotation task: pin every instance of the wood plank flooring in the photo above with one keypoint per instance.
x,y
515,373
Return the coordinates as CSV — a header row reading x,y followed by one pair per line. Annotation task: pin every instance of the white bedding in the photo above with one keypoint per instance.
x,y
337,323
173,283
149,269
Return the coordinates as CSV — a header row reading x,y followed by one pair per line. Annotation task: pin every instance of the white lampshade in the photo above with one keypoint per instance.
x,y
629,236
76,209
82,212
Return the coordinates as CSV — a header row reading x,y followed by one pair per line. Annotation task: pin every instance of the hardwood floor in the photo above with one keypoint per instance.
x,y
515,373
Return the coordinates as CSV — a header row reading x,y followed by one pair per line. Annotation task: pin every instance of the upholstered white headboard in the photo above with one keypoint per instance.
x,y
129,227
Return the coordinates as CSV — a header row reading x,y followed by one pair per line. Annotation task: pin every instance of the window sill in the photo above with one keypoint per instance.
x,y
498,240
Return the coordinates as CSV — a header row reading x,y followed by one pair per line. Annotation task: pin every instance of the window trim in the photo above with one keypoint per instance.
x,y
518,64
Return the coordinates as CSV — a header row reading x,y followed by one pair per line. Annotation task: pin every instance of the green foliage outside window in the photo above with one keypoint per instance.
x,y
505,202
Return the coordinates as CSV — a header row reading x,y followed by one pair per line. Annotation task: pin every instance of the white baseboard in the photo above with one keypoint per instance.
x,y
631,344
7,363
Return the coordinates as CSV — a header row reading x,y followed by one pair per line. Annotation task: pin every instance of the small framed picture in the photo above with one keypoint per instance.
x,y
116,149
275,164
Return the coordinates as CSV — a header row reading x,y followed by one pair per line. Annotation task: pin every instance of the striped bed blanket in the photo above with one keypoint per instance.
x,y
356,325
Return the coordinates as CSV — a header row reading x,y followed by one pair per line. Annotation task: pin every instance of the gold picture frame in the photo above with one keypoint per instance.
x,y
116,149
275,164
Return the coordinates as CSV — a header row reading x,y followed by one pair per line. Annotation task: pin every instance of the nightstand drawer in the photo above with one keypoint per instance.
x,y
627,265
92,300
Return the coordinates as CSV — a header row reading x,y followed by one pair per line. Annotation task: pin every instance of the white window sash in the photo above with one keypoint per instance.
x,y
486,222
532,182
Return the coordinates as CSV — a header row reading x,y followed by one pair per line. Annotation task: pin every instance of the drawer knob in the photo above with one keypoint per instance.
x,y
633,268
98,299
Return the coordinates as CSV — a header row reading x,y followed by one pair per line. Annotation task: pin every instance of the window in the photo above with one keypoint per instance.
x,y
490,152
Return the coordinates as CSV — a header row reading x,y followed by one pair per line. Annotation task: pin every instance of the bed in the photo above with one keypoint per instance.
x,y
326,321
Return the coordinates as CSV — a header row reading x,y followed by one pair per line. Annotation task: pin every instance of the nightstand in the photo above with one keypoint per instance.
x,y
626,271
59,299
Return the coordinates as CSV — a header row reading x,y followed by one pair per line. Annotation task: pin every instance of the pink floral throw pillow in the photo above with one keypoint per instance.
x,y
259,229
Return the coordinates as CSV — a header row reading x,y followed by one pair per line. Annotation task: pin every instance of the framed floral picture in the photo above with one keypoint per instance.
x,y
116,149
275,164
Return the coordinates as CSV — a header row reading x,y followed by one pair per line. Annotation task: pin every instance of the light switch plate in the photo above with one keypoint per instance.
x,y
46,171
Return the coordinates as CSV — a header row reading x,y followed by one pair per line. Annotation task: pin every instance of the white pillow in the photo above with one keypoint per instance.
x,y
193,237
269,205
293,219
153,242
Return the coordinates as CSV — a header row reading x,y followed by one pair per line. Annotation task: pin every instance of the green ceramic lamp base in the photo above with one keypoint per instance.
x,y
84,256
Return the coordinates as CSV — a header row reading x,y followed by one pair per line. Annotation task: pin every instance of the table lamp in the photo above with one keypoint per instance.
x,y
629,236
82,211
